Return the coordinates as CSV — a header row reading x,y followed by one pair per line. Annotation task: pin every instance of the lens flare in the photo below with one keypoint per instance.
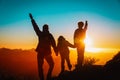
x,y
88,42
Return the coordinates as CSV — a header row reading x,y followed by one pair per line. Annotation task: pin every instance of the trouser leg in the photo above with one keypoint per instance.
x,y
62,64
80,59
68,62
50,61
40,67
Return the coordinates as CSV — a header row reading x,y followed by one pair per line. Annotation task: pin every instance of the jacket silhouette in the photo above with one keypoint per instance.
x,y
46,41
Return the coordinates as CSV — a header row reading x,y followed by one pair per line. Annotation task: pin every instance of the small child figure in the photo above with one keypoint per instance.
x,y
63,50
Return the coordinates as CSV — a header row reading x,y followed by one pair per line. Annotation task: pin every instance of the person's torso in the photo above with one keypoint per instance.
x,y
44,44
79,36
63,48
45,40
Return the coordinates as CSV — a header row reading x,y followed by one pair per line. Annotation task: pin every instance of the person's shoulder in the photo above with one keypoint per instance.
x,y
66,41
77,30
50,35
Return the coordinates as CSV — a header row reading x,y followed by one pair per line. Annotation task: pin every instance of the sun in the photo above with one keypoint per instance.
x,y
89,45
88,42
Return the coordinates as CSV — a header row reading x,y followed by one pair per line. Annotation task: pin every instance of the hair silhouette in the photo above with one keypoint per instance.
x,y
63,50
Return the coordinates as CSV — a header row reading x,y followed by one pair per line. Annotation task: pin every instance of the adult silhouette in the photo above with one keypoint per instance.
x,y
46,41
79,37
63,50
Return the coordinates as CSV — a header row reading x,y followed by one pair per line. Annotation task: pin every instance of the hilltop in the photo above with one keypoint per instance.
x,y
109,71
18,64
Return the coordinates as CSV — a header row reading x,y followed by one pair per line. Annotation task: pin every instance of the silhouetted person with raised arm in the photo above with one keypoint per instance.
x,y
43,49
63,50
79,37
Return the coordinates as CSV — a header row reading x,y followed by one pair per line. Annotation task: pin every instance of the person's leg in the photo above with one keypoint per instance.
x,y
62,64
68,62
40,60
80,59
82,55
78,56
50,61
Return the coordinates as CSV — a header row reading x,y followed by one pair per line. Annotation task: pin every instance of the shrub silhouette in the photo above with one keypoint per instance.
x,y
89,61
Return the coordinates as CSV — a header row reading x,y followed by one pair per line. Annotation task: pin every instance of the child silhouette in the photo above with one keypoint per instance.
x,y
63,50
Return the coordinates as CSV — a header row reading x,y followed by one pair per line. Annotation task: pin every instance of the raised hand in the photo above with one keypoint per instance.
x,y
86,22
30,15
86,25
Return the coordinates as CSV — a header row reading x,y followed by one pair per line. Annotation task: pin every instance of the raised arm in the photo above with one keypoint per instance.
x,y
86,25
35,26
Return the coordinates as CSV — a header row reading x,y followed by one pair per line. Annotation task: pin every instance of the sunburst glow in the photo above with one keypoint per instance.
x,y
88,42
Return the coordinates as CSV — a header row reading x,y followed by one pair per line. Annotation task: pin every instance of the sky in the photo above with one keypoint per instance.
x,y
62,16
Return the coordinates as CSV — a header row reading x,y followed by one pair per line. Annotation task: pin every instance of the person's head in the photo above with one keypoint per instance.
x,y
61,38
45,28
80,24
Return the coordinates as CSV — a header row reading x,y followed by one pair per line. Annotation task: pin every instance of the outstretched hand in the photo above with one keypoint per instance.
x,y
86,22
31,17
86,25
